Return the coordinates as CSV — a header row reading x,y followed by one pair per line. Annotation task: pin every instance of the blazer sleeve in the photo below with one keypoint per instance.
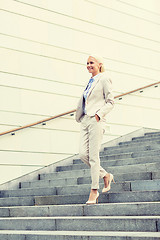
x,y
108,96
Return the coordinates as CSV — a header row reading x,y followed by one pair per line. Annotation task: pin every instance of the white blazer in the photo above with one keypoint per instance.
x,y
100,99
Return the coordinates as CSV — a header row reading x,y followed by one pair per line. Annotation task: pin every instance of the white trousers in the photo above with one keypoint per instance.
x,y
91,135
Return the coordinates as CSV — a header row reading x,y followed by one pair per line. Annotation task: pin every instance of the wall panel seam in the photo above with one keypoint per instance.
x,y
86,21
82,64
74,29
75,51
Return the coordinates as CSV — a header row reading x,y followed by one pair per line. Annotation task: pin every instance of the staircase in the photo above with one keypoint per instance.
x,y
53,207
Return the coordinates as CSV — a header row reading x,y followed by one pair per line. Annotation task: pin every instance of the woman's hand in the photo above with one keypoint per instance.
x,y
97,117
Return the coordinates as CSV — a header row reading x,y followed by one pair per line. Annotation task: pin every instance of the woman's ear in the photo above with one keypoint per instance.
x,y
100,66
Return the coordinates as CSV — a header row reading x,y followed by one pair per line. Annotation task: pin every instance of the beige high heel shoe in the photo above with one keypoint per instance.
x,y
111,178
93,201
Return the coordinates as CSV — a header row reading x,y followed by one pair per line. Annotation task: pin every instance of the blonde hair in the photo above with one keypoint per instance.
x,y
99,59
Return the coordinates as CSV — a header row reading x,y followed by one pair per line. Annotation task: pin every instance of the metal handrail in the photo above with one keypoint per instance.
x,y
71,111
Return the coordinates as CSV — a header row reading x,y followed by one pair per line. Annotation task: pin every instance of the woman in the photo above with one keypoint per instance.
x,y
96,101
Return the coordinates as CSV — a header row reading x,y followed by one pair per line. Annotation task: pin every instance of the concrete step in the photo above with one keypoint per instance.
x,y
146,138
73,181
139,141
152,133
132,176
147,167
81,223
131,154
120,197
148,185
28,192
83,189
78,235
64,190
49,183
115,156
54,206
157,135
78,164
70,190
132,148
17,201
107,209
126,196
132,144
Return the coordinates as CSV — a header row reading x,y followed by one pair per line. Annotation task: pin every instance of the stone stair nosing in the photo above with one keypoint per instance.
x,y
83,223
103,209
78,235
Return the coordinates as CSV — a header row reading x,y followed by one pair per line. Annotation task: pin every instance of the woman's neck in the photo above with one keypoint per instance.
x,y
93,75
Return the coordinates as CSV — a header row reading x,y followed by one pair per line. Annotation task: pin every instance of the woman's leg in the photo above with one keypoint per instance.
x,y
84,143
95,139
91,135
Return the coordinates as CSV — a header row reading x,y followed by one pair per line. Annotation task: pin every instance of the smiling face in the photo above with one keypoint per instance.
x,y
93,66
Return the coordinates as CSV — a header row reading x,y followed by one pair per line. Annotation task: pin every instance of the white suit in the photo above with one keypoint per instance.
x,y
100,101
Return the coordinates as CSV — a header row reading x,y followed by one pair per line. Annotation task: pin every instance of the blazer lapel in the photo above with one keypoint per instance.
x,y
93,85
